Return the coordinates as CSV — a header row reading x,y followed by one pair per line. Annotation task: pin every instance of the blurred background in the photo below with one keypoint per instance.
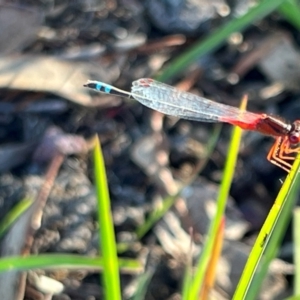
x,y
48,119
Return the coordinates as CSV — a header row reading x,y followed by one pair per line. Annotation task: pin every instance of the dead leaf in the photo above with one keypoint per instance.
x,y
50,74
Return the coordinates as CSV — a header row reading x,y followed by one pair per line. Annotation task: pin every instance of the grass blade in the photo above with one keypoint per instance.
x,y
55,261
211,270
218,37
296,226
291,12
221,204
14,214
269,236
142,285
108,246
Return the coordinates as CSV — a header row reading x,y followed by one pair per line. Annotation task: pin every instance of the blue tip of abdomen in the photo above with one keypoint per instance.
x,y
102,87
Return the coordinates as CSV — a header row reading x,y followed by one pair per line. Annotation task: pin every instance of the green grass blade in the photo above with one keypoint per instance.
x,y
296,226
291,11
187,282
269,237
221,205
70,261
218,37
108,246
142,285
273,241
14,214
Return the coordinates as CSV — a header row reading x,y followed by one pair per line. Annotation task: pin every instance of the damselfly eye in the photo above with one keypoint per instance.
x,y
294,138
294,135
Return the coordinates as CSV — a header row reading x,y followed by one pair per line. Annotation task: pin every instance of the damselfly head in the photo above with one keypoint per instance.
x,y
294,134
